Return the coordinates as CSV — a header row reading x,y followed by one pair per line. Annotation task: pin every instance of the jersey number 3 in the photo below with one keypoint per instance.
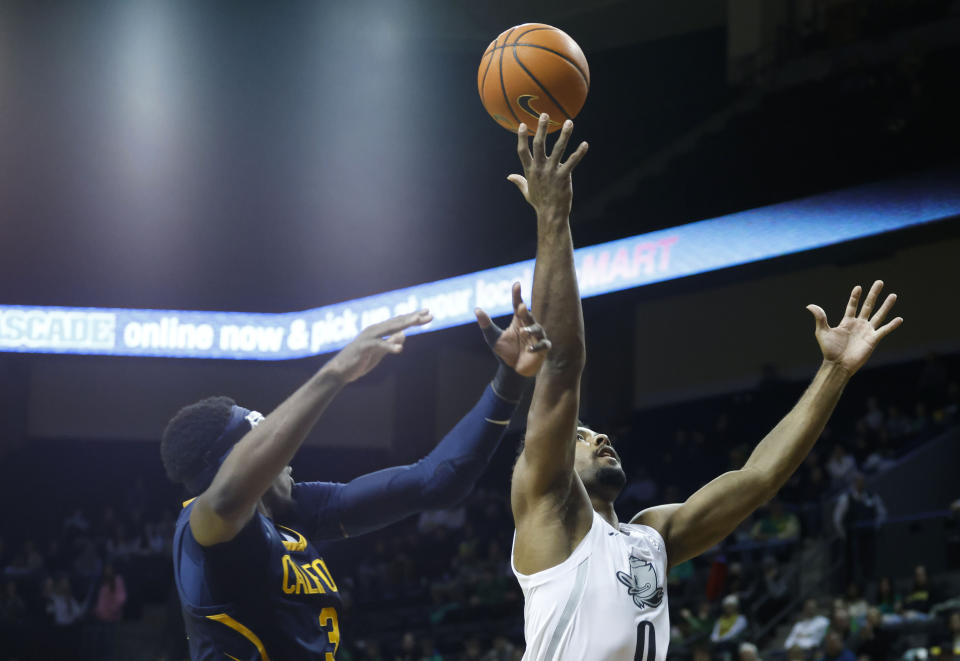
x,y
646,642
329,616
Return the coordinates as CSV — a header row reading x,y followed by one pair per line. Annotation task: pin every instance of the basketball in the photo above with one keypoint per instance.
x,y
531,69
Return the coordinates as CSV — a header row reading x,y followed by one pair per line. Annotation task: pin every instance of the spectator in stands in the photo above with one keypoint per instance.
x,y
108,611
856,605
471,649
796,654
749,652
12,608
840,624
809,630
922,596
950,639
856,516
886,600
730,626
701,653
776,524
503,650
835,649
699,624
872,641
428,650
775,592
65,612
13,613
841,467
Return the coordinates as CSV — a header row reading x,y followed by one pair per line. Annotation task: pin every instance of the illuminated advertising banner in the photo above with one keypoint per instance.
x,y
681,251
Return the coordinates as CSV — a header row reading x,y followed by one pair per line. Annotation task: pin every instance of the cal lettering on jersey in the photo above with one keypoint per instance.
x,y
321,568
308,578
299,584
315,586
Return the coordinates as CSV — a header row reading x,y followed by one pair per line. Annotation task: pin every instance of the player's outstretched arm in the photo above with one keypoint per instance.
x,y
448,474
717,509
221,511
543,479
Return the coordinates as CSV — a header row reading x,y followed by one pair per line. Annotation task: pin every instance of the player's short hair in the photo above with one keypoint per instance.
x,y
191,434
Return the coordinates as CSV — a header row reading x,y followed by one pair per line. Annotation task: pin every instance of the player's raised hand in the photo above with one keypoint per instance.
x,y
546,182
523,345
373,343
850,343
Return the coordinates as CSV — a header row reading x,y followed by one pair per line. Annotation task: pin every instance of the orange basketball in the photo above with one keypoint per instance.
x,y
530,69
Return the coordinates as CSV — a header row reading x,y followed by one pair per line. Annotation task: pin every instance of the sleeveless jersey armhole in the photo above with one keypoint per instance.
x,y
580,553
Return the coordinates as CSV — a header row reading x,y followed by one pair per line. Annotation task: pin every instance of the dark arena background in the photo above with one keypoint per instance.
x,y
270,158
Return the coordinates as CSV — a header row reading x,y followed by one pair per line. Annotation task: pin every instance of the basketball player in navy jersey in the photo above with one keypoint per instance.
x,y
251,583
595,588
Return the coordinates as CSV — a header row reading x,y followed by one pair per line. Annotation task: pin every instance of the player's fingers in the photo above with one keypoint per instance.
x,y
525,316
517,298
491,332
870,300
560,145
540,139
819,317
533,330
482,318
523,146
881,314
852,303
542,345
575,158
399,323
520,182
889,327
394,343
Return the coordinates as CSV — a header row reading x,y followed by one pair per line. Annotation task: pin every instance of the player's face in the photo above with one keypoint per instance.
x,y
598,464
280,494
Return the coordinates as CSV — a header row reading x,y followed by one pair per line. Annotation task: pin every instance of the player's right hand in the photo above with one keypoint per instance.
x,y
523,345
373,343
546,183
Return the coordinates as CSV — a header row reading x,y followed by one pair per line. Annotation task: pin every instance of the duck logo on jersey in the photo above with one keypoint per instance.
x,y
642,583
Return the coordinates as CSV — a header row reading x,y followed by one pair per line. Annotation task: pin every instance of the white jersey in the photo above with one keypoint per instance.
x,y
606,602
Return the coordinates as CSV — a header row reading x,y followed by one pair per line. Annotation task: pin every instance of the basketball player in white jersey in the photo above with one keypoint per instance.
x,y
595,588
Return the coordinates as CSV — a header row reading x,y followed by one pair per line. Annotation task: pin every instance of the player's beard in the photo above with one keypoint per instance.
x,y
611,477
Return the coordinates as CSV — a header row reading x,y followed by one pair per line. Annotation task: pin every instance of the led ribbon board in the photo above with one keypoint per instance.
x,y
698,247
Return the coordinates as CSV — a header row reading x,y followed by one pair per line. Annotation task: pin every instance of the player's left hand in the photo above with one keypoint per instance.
x,y
523,345
849,344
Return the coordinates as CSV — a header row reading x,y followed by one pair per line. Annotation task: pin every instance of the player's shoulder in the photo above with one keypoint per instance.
x,y
183,518
644,534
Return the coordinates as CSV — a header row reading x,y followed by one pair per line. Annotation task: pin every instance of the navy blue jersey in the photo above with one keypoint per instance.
x,y
266,594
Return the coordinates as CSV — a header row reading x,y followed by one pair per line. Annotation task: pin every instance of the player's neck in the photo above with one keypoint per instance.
x,y
264,509
604,508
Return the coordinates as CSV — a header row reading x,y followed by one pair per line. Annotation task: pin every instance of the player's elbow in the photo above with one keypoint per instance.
x,y
447,488
566,360
759,486
227,503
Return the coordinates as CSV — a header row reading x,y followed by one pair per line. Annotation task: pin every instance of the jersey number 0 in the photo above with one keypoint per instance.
x,y
646,642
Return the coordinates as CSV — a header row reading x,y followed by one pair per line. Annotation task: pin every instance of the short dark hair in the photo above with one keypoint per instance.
x,y
189,435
